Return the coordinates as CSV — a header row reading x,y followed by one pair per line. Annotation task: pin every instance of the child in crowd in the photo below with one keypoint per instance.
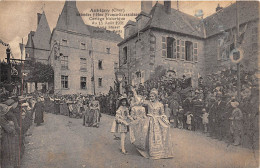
x,y
205,120
121,119
180,117
189,119
167,111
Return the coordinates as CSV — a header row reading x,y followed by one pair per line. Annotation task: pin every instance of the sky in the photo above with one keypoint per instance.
x,y
18,18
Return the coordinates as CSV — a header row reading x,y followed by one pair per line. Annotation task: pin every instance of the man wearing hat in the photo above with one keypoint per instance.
x,y
236,123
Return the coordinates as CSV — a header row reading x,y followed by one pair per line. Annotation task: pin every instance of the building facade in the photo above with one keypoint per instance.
x,y
38,44
83,57
189,45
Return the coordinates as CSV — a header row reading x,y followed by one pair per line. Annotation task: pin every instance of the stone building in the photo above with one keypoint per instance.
x,y
37,47
83,56
189,45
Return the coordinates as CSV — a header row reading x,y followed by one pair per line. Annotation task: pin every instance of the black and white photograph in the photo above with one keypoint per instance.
x,y
129,84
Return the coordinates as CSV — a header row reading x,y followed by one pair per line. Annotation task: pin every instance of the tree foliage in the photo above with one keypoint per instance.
x,y
40,72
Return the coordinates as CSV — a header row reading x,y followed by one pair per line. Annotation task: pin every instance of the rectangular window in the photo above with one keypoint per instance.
x,y
83,46
100,82
108,50
189,51
83,82
64,82
115,65
195,52
124,55
100,64
171,47
64,62
83,64
64,42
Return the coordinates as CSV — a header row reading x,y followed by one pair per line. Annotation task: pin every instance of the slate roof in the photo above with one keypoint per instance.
x,y
183,23
175,21
29,43
42,34
70,20
247,10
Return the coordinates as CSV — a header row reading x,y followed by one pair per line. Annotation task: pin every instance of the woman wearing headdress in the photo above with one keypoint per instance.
x,y
151,136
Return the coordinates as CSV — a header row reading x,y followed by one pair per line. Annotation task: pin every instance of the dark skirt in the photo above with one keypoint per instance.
x,y
91,118
38,117
64,109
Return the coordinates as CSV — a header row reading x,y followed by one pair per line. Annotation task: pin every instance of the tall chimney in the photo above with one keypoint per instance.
x,y
218,8
167,6
146,6
38,18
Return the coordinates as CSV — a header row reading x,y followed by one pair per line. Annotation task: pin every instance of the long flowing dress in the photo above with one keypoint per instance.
x,y
64,109
38,108
151,135
92,114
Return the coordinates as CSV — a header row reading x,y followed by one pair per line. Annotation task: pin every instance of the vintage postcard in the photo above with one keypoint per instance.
x,y
129,84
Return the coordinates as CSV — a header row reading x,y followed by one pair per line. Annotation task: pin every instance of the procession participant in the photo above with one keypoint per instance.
x,y
180,117
38,110
167,112
174,106
220,109
122,114
56,105
205,120
92,114
189,120
10,145
64,110
155,125
236,123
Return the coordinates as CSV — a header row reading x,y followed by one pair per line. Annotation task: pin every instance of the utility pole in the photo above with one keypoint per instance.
x,y
8,53
236,45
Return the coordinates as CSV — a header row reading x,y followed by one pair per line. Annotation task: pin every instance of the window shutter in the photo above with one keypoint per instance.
x,y
195,52
164,47
182,49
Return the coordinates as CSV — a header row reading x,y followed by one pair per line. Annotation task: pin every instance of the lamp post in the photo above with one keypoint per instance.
x,y
119,78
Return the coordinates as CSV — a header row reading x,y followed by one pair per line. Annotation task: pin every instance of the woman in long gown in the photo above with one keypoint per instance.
x,y
38,109
64,109
92,115
151,135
